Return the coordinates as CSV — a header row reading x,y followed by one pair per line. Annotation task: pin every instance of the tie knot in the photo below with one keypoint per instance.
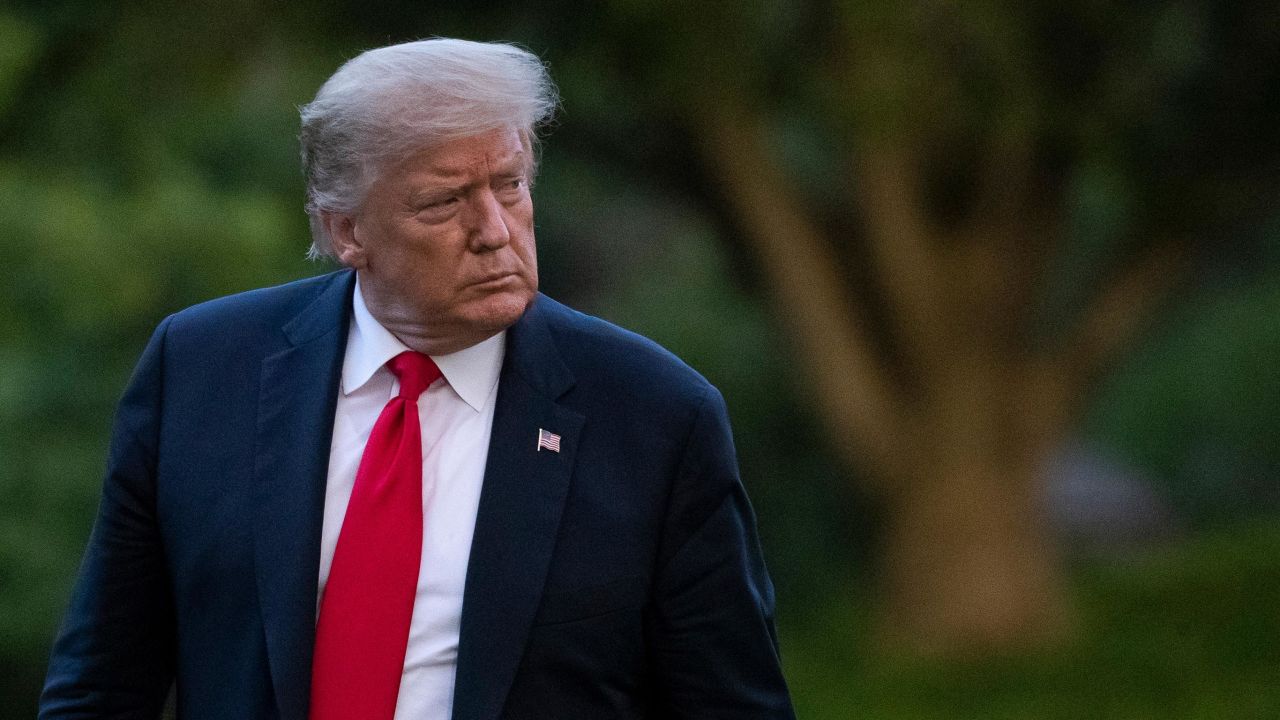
x,y
415,371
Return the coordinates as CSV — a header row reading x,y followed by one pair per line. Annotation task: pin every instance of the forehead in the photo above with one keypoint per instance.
x,y
493,151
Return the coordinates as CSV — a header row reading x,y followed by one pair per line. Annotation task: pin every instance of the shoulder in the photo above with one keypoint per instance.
x,y
256,312
621,364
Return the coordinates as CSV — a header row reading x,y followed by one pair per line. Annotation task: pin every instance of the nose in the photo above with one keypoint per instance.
x,y
486,222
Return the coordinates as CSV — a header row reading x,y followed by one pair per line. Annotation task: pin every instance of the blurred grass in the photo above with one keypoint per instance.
x,y
1191,631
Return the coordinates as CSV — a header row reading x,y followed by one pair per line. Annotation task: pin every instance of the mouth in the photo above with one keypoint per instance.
x,y
495,280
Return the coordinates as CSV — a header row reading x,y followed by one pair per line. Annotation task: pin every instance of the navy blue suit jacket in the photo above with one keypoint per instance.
x,y
618,578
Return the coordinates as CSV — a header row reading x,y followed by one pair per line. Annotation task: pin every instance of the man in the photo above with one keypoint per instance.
x,y
415,488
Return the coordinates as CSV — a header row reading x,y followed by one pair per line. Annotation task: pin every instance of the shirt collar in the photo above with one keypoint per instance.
x,y
471,372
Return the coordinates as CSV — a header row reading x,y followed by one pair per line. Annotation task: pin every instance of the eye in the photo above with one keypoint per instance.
x,y
438,206
511,189
438,209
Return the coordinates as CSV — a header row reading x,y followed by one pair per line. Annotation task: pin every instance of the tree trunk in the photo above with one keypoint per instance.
x,y
967,565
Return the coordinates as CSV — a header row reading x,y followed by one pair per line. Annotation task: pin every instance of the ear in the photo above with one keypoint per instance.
x,y
348,246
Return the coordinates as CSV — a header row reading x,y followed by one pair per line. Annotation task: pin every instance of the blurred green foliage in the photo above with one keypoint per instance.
x,y
1184,633
1197,405
117,206
148,162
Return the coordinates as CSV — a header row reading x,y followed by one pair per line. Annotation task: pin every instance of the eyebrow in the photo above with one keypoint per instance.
x,y
512,167
437,183
434,192
502,165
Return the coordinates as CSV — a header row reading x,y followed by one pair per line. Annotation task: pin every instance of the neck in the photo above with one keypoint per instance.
x,y
419,338
407,324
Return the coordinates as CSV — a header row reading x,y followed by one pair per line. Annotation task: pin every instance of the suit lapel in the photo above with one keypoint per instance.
x,y
516,524
297,397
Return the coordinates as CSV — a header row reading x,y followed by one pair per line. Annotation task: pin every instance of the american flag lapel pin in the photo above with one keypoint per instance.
x,y
548,440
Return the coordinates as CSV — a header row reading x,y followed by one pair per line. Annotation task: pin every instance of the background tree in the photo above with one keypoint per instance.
x,y
912,180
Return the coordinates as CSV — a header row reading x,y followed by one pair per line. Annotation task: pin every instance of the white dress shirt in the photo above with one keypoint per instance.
x,y
457,417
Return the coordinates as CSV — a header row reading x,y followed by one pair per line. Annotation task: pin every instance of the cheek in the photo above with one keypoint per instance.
x,y
527,251
522,232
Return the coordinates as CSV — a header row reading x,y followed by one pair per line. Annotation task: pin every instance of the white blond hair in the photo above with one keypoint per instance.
x,y
387,103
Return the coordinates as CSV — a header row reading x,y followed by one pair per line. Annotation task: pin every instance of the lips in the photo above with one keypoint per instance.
x,y
495,278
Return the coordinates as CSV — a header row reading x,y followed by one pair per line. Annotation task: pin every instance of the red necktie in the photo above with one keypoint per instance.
x,y
368,599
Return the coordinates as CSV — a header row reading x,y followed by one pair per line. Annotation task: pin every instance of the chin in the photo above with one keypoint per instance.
x,y
501,310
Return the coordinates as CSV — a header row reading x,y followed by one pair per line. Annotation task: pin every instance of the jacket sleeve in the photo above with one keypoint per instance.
x,y
715,651
114,655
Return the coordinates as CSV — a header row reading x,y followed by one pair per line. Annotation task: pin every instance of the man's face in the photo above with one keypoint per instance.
x,y
444,243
